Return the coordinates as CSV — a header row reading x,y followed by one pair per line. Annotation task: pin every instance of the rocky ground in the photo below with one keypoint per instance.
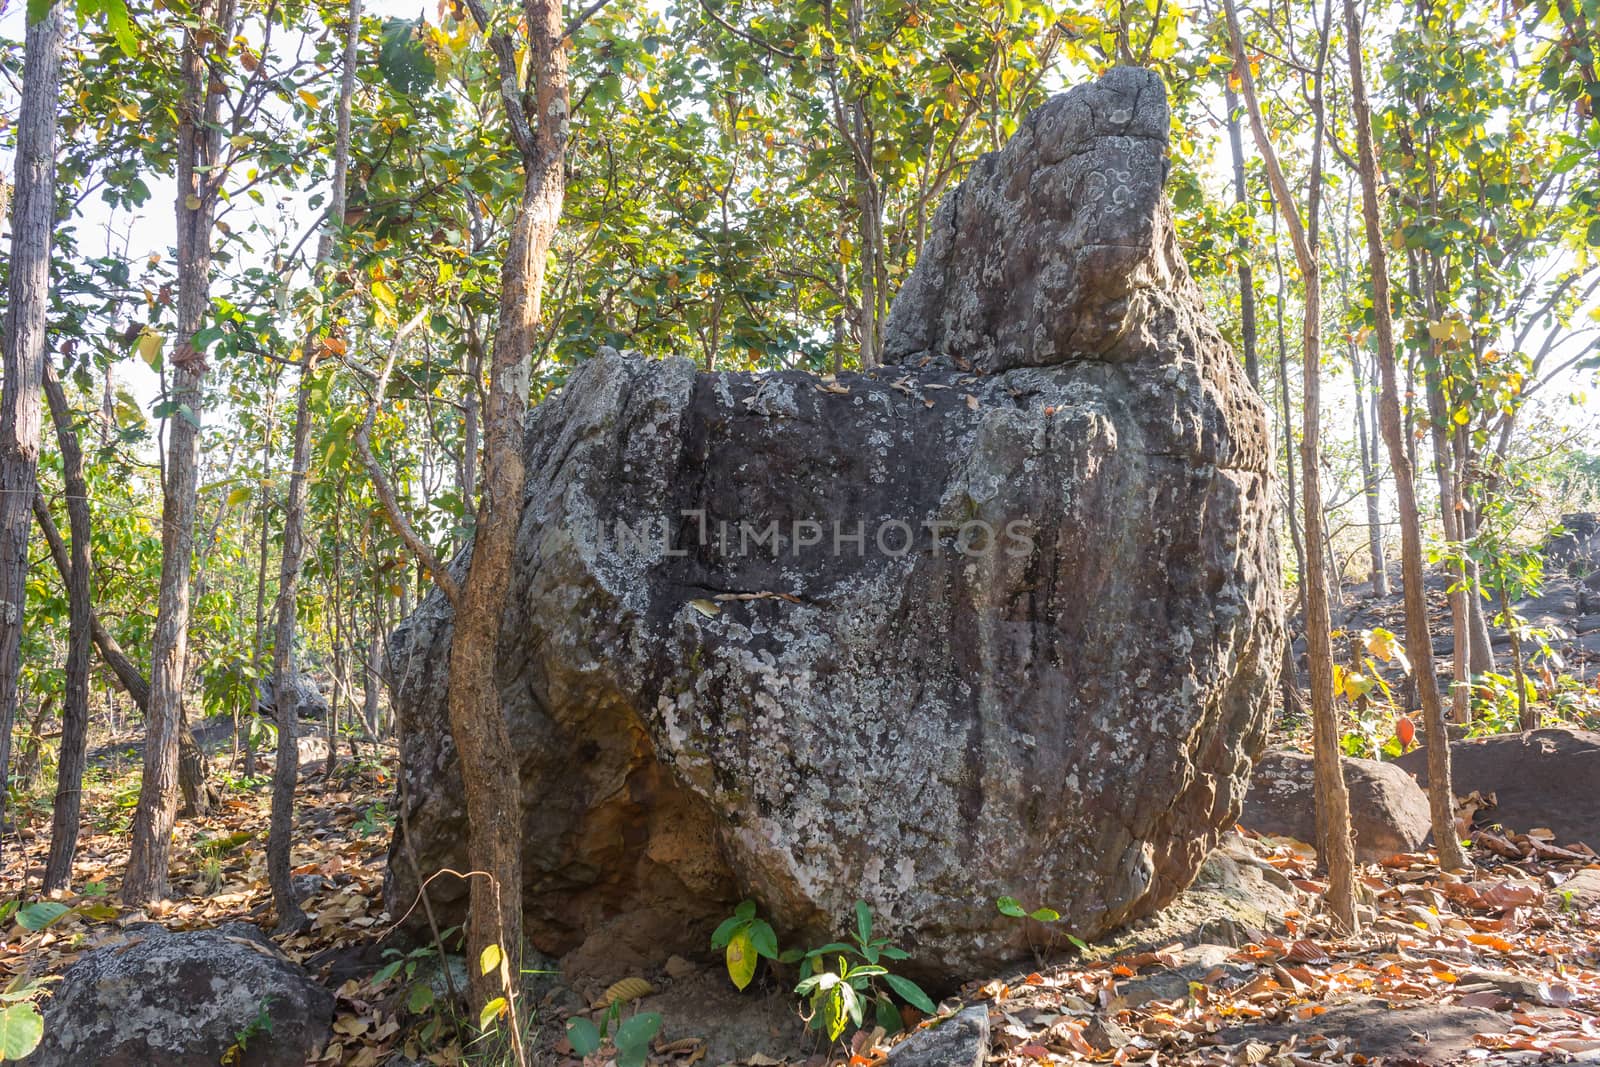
x,y
1500,965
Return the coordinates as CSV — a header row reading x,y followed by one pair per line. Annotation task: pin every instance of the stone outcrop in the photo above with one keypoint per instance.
x,y
185,999
999,619
1388,809
1541,778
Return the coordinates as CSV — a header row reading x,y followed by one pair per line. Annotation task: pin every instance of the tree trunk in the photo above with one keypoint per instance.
x,y
286,772
1378,568
75,711
33,218
1450,520
1241,248
200,174
1333,798
264,514
1419,642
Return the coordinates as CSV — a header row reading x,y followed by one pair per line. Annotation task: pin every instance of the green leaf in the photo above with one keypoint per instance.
x,y
420,999
888,1016
402,59
386,973
764,940
583,1036
863,921
745,911
721,935
120,26
37,10
1045,915
637,1032
911,993
1010,906
21,1029
40,914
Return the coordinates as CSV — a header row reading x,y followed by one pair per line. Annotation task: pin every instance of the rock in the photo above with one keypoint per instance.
x,y
1196,963
1042,670
1235,899
184,1000
309,699
960,1041
1540,778
1388,810
1384,1031
1580,892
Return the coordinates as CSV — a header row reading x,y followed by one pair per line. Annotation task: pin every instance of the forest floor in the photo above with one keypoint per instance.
x,y
1501,965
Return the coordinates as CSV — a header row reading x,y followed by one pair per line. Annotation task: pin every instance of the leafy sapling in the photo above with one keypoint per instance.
x,y
840,997
745,937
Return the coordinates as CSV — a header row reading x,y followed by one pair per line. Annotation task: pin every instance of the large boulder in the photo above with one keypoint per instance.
x,y
1388,809
999,619
185,1000
1542,778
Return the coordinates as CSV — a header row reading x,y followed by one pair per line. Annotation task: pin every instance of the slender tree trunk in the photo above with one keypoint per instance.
x,y
199,180
75,710
1241,248
33,217
1333,798
1378,568
1527,713
1289,675
264,514
286,772
1419,642
1450,520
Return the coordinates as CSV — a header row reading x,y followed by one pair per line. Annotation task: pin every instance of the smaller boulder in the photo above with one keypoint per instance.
x,y
309,701
1542,778
1388,810
960,1041
185,1000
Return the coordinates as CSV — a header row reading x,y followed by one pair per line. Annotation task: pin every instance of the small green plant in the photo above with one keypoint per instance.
x,y
1011,907
21,1023
745,937
631,1039
840,997
261,1024
376,819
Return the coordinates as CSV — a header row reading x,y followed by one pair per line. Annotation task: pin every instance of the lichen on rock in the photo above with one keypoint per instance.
x,y
998,619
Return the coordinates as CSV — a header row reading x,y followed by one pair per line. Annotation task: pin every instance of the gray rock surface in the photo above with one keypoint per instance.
x,y
1388,809
1042,671
183,1000
1542,778
309,701
960,1041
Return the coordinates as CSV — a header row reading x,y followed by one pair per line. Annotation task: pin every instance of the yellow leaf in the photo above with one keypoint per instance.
x,y
491,1011
741,958
382,293
128,111
489,960
625,991
310,99
191,202
150,345
239,495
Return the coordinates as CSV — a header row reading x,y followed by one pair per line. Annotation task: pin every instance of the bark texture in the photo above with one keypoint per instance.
x,y
199,140
1419,644
22,343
